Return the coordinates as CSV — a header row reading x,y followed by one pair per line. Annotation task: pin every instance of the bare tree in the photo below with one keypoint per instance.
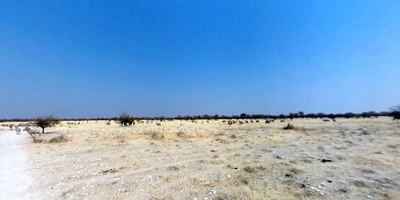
x,y
46,121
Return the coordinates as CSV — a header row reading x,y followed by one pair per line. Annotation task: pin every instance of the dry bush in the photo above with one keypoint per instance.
x,y
157,135
181,134
249,169
198,135
173,168
58,139
35,140
154,135
289,126
184,135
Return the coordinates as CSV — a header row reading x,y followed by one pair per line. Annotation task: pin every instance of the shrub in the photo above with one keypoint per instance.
x,y
289,126
58,139
156,135
249,169
181,134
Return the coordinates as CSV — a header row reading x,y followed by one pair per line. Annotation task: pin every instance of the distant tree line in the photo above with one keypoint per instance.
x,y
125,119
288,116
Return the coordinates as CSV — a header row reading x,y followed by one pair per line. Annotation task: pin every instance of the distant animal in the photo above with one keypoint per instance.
x,y
158,124
32,131
326,120
18,130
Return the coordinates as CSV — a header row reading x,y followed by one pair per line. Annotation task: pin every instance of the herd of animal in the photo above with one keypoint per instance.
x,y
31,129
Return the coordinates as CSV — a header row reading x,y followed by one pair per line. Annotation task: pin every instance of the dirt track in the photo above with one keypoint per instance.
x,y
16,178
347,159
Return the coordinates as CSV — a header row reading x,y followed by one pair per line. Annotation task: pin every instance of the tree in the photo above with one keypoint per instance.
x,y
46,121
125,119
395,112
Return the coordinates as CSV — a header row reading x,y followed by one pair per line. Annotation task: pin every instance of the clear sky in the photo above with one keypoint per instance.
x,y
82,58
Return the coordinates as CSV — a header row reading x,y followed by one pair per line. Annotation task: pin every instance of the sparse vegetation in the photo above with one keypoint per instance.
x,y
154,135
249,169
58,139
192,149
54,140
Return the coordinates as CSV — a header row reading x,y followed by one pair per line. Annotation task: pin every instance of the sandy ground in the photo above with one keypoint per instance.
x,y
347,159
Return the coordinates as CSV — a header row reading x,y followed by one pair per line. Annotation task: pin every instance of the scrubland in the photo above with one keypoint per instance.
x,y
179,159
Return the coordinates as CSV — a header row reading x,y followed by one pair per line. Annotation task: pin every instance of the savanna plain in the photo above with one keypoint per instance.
x,y
211,159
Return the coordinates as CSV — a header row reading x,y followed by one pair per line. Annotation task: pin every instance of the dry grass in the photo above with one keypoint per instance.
x,y
188,160
154,135
50,139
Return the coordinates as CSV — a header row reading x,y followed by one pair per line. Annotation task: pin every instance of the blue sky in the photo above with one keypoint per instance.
x,y
152,58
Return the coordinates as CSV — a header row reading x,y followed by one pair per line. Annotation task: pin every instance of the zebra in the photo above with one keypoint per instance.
x,y
31,131
18,130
